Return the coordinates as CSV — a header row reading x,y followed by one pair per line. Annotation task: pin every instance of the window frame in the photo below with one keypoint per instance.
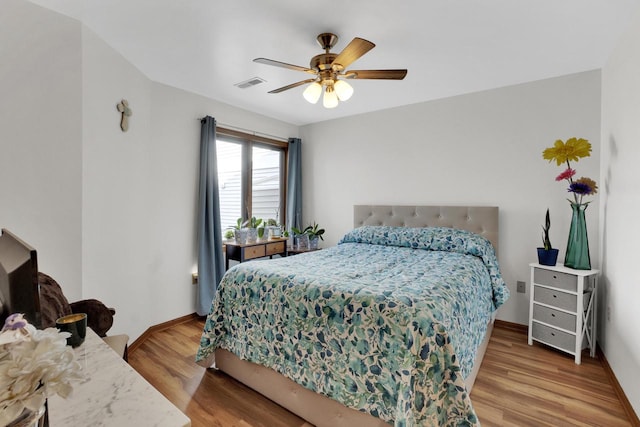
x,y
248,141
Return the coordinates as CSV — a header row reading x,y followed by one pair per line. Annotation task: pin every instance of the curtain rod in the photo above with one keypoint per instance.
x,y
249,131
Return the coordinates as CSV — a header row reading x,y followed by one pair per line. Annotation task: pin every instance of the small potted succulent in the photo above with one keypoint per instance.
x,y
315,233
252,232
240,233
273,229
546,254
308,238
301,238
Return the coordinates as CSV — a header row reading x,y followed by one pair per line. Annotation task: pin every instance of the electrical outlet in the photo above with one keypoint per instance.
x,y
194,278
521,287
609,313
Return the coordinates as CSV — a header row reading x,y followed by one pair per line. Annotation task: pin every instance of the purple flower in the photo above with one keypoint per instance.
x,y
579,188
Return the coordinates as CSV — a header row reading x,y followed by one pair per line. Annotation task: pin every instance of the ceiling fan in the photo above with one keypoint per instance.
x,y
329,70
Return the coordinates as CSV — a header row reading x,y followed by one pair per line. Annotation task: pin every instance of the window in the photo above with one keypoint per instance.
x,y
251,177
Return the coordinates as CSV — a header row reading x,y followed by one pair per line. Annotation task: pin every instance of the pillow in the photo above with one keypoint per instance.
x,y
436,239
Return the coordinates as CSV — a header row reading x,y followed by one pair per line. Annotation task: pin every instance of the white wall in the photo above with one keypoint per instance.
x,y
41,136
620,228
140,188
483,148
112,214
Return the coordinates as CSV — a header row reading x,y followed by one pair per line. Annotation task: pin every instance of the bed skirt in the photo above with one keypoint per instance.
x,y
315,408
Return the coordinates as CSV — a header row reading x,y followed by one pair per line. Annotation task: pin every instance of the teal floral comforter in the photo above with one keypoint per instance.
x,y
387,322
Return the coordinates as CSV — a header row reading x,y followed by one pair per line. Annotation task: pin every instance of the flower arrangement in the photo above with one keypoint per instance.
x,y
34,365
577,253
565,152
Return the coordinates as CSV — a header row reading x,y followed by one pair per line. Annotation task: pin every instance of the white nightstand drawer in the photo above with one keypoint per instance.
x,y
555,298
554,317
556,279
554,337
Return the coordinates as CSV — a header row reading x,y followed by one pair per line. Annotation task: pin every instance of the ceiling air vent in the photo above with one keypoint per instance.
x,y
251,82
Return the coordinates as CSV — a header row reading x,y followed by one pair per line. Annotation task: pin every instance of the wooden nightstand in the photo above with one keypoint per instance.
x,y
562,308
259,249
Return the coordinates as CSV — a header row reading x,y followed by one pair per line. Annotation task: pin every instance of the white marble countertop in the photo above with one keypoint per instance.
x,y
112,394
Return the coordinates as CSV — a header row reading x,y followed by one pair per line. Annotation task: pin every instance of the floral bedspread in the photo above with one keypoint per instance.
x,y
387,322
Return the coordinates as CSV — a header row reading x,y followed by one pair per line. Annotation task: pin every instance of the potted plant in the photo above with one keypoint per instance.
x,y
546,254
240,232
274,230
252,232
301,237
315,233
308,238
229,234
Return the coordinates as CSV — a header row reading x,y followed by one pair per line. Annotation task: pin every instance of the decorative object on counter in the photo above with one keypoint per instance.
x,y
125,113
34,365
75,325
577,253
546,254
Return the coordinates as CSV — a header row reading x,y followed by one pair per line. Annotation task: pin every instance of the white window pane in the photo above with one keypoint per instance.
x,y
229,157
266,183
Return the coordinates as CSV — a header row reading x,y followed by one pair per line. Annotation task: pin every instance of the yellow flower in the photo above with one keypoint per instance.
x,y
573,149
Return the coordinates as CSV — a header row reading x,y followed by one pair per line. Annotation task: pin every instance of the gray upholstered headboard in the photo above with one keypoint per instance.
x,y
482,220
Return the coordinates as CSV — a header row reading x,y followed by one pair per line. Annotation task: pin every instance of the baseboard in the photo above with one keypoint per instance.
x,y
512,326
631,413
160,327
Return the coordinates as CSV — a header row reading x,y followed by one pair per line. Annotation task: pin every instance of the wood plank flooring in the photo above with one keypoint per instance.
x,y
518,385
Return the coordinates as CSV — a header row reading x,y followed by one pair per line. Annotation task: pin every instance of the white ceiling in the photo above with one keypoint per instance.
x,y
450,47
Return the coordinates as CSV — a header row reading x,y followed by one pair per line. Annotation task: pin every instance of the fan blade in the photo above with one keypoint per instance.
x,y
353,51
376,74
292,85
284,65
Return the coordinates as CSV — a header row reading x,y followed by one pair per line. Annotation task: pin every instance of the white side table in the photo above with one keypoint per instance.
x,y
562,308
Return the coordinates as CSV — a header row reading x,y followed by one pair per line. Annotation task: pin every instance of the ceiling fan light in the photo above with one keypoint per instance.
x,y
312,92
330,99
343,90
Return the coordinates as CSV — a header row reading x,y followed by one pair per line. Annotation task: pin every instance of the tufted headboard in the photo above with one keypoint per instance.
x,y
482,220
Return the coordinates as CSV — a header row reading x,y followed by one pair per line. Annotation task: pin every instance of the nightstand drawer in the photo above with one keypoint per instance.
x,y
554,337
275,248
555,298
556,279
554,317
252,252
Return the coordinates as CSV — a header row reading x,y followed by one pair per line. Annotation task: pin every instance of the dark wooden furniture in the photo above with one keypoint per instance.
x,y
261,248
294,251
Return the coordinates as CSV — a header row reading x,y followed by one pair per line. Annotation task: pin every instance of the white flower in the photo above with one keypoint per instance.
x,y
37,365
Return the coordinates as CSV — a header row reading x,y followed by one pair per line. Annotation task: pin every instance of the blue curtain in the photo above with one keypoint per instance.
x,y
210,259
294,184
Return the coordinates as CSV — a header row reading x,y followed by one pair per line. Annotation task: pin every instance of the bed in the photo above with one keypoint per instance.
x,y
387,327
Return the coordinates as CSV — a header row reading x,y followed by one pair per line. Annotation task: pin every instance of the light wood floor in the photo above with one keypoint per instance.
x,y
518,385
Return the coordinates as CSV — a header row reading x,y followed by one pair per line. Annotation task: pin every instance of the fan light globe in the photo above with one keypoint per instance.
x,y
343,90
330,99
312,92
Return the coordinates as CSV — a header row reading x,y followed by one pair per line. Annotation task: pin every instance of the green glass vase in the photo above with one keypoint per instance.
x,y
577,255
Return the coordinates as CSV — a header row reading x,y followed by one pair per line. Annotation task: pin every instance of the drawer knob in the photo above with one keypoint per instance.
x,y
553,334
553,315
555,277
555,296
